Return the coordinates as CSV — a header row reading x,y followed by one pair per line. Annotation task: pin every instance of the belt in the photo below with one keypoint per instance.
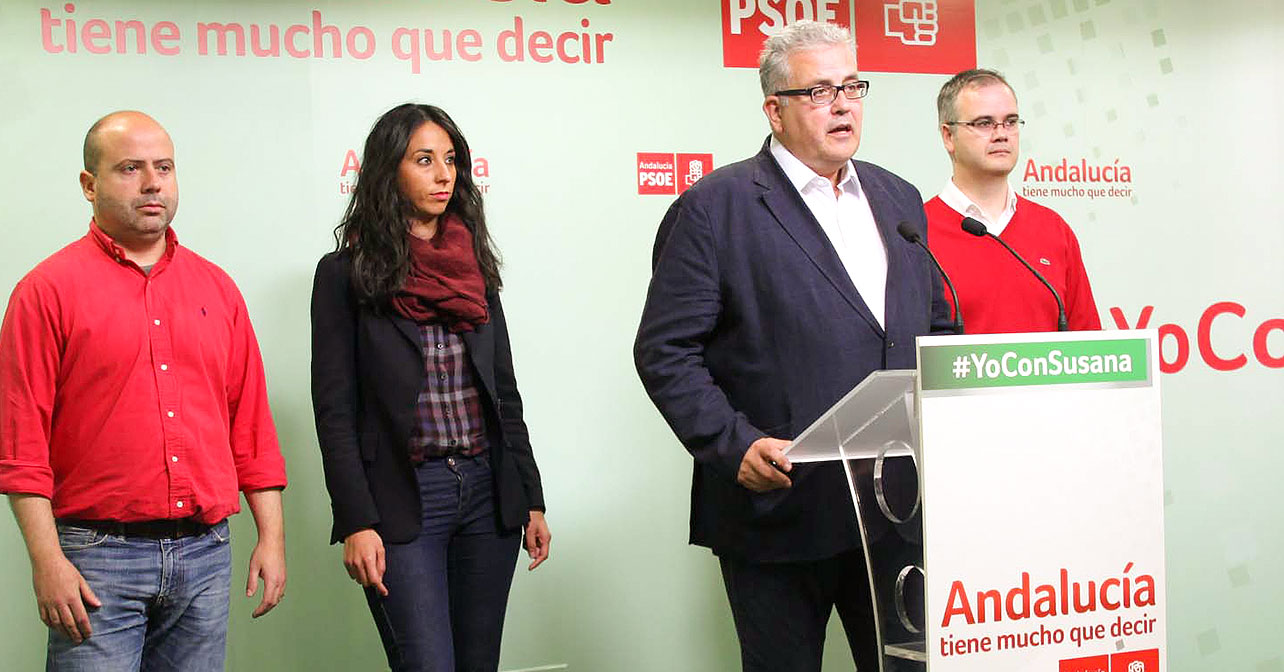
x,y
171,528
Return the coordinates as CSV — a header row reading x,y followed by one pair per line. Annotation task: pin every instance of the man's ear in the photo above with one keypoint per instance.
x,y
88,185
771,108
947,138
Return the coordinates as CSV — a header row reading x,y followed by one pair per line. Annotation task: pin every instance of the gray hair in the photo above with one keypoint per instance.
x,y
947,99
773,62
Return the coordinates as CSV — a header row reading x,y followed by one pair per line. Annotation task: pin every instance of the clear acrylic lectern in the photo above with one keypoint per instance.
x,y
873,431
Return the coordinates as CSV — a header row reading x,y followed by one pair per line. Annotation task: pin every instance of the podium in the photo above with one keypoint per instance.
x,y
1009,493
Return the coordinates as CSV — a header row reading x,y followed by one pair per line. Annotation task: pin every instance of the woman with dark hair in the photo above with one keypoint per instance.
x,y
431,477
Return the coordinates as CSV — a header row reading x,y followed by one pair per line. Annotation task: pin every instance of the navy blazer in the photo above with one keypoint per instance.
x,y
367,372
752,327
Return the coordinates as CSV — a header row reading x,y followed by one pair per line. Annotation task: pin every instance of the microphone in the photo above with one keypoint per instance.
x,y
910,235
978,229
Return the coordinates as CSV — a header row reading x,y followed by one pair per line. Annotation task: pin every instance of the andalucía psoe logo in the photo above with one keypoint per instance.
x,y
670,174
954,367
924,36
1128,661
1135,661
1086,664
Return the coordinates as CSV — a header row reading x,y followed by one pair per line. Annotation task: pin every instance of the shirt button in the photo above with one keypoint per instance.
x,y
441,346
164,367
441,377
173,458
179,504
156,322
170,414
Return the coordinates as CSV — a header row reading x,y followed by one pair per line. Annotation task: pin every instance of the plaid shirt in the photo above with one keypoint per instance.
x,y
448,411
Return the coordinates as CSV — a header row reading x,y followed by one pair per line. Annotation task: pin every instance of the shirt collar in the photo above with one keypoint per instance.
x,y
802,177
117,252
954,197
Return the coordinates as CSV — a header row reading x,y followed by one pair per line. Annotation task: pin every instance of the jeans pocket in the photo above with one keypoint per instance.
x,y
74,538
221,532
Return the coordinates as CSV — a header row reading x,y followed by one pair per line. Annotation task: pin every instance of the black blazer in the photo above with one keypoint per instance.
x,y
752,328
367,373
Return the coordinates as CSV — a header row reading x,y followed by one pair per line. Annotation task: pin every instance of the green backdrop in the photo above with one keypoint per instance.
x,y
1185,93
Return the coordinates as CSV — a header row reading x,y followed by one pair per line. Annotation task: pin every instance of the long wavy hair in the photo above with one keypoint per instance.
x,y
375,226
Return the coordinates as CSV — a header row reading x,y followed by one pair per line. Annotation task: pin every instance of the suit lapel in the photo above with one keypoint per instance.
x,y
787,207
479,346
408,329
481,350
886,217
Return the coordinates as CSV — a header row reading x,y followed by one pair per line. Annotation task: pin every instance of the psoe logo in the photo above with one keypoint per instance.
x,y
921,36
1089,664
352,167
913,22
746,24
1135,661
670,174
924,36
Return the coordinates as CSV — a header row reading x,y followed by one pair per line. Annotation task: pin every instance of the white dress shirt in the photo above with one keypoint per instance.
x,y
848,223
954,197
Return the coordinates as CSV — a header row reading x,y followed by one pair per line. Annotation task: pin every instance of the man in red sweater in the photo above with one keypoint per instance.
x,y
981,131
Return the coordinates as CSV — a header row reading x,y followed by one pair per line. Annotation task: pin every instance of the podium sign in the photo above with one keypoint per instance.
x,y
1009,495
1042,502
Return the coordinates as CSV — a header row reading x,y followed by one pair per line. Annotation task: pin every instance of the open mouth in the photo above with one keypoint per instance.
x,y
841,129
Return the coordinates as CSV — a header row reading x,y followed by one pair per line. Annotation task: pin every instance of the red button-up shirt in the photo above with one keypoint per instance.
x,y
131,396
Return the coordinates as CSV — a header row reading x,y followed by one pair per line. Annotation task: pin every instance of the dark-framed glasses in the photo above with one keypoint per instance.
x,y
987,125
824,94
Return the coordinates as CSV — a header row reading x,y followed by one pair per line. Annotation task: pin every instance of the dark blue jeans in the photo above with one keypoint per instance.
x,y
448,589
165,602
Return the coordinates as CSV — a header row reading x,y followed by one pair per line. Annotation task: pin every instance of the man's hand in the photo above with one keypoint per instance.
x,y
764,466
267,562
363,556
537,538
268,559
62,595
61,592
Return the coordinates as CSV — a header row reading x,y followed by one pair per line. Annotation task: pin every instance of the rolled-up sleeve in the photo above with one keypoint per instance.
x,y
252,434
30,355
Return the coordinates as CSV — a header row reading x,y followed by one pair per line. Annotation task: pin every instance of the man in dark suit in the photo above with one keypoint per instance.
x,y
779,284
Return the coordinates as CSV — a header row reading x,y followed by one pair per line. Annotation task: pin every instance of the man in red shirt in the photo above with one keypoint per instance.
x,y
133,408
981,131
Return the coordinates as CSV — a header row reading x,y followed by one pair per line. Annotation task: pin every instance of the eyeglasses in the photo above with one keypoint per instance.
x,y
824,94
987,125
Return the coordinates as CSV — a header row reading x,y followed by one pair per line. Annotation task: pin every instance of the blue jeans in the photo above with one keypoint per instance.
x,y
448,588
165,602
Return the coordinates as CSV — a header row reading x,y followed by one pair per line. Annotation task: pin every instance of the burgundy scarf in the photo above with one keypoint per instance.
x,y
444,283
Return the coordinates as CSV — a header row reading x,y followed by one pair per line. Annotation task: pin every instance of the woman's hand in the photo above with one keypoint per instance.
x,y
537,538
363,557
